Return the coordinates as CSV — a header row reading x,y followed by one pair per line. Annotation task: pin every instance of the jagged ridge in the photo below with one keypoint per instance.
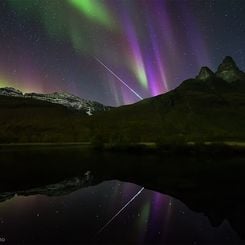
x,y
227,71
212,109
62,98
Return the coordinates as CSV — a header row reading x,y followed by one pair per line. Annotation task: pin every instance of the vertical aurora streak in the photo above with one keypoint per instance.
x,y
136,60
159,61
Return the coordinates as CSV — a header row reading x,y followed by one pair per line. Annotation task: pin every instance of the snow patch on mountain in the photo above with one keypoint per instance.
x,y
62,98
11,92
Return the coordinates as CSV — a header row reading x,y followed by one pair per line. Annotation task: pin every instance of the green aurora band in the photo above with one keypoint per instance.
x,y
93,10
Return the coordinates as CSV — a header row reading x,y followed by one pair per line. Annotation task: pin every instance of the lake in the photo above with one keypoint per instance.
x,y
76,195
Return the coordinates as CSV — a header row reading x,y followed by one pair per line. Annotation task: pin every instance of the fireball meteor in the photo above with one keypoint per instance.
x,y
118,78
138,193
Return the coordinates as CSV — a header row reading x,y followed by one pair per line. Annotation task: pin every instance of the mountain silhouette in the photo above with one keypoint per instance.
x,y
210,107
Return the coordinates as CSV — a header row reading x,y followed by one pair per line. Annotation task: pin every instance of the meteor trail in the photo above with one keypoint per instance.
x,y
116,76
120,210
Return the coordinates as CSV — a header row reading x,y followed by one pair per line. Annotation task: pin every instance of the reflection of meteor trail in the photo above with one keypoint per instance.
x,y
120,210
116,76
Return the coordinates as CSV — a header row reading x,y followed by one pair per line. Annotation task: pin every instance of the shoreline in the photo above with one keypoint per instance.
x,y
227,148
45,144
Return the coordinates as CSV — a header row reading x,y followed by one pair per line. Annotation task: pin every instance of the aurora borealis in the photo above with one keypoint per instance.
x,y
52,45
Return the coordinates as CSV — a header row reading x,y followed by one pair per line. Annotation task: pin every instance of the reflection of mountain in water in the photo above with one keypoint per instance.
x,y
58,189
213,203
212,186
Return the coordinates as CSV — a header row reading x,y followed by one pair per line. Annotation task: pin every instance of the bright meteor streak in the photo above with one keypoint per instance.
x,y
116,76
120,210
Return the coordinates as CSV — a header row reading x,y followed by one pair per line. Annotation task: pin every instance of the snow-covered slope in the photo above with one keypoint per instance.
x,y
63,98
11,92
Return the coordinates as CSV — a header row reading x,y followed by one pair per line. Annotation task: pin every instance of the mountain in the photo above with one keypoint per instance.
x,y
205,74
228,71
11,92
210,107
65,99
29,120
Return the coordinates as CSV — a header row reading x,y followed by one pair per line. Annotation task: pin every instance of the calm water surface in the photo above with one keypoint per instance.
x,y
204,202
79,216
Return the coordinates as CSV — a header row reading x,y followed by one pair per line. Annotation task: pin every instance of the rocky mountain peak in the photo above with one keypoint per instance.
x,y
10,91
228,70
64,95
227,64
205,74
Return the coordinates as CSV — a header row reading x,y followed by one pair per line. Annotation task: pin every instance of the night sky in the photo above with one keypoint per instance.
x,y
115,51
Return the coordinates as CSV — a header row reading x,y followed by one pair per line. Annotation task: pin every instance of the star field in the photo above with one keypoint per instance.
x,y
52,45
